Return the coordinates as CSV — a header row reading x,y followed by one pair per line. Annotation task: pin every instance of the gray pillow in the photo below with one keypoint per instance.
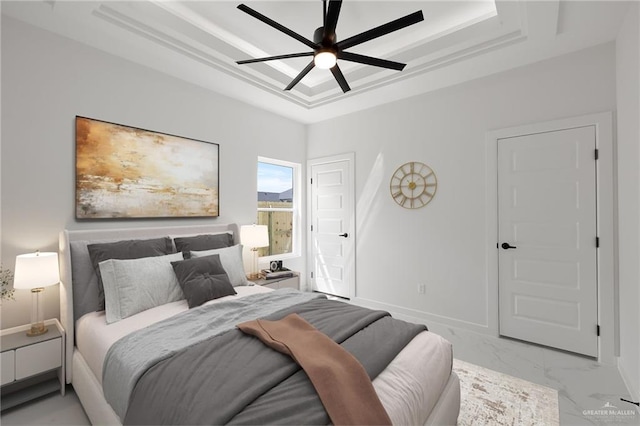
x,y
231,259
126,249
202,279
204,242
135,285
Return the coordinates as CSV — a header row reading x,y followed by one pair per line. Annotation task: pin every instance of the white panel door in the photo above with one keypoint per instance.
x,y
547,213
332,239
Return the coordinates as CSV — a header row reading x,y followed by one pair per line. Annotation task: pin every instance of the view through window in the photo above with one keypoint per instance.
x,y
276,205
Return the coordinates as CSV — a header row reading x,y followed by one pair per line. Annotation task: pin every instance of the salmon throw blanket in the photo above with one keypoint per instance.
x,y
341,382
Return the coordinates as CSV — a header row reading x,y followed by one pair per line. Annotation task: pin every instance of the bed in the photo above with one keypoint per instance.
x,y
416,385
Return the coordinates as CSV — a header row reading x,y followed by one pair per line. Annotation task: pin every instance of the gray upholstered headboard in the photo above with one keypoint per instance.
x,y
78,285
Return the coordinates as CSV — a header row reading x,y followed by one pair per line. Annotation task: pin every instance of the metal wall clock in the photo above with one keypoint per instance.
x,y
413,185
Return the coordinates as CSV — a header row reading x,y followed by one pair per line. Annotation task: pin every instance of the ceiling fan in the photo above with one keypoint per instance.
x,y
326,47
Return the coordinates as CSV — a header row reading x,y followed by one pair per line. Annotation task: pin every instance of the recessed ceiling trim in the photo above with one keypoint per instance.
x,y
471,51
163,39
304,96
186,14
455,57
198,43
212,58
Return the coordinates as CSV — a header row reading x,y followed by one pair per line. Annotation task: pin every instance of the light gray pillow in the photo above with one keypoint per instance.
x,y
135,285
127,249
231,259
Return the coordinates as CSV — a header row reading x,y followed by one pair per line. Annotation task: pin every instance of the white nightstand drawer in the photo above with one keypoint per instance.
x,y
38,358
7,359
281,282
272,285
293,282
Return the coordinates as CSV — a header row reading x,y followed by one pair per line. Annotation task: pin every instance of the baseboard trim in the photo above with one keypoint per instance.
x,y
413,315
628,383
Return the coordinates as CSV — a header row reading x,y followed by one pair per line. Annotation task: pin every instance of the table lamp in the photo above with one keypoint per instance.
x,y
35,271
254,237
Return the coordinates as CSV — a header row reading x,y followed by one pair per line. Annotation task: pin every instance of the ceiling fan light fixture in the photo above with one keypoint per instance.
x,y
325,59
325,47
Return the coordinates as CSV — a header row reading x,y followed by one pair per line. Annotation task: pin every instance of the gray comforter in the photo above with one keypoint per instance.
x,y
234,378
131,356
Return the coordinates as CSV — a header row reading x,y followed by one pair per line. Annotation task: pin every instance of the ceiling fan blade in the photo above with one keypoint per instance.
x,y
300,76
277,26
331,20
376,32
273,58
340,78
368,60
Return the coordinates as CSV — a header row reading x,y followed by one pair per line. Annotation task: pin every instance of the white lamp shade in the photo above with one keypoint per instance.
x,y
34,270
254,236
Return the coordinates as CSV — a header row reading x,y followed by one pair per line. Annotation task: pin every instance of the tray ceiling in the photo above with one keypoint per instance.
x,y
199,41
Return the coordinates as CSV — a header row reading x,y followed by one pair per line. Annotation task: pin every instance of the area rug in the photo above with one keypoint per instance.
x,y
492,398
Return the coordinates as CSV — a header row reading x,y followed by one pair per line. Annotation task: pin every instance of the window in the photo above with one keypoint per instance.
x,y
279,207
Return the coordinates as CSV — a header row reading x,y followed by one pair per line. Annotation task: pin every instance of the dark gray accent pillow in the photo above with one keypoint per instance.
x,y
202,279
126,249
204,242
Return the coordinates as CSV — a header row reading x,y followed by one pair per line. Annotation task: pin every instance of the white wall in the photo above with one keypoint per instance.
x,y
444,244
0,142
628,96
48,80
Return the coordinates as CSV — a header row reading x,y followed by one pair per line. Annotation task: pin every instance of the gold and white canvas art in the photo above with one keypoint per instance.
x,y
126,172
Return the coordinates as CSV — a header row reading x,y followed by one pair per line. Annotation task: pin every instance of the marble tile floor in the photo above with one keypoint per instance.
x,y
583,385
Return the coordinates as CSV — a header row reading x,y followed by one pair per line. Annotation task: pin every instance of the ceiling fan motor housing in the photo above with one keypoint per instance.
x,y
318,38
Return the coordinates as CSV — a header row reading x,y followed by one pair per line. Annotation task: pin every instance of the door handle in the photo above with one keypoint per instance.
x,y
507,246
343,235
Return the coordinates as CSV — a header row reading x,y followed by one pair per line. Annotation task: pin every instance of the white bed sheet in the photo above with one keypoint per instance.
x,y
408,388
94,336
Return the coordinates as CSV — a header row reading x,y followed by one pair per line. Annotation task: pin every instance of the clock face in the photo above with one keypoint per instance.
x,y
413,185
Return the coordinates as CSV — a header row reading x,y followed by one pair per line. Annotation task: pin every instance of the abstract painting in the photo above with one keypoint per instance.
x,y
126,172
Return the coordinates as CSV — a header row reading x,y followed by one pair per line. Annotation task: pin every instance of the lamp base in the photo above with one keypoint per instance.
x,y
254,273
37,322
255,276
37,330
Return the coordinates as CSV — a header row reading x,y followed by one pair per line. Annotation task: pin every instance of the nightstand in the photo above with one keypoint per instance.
x,y
31,366
286,282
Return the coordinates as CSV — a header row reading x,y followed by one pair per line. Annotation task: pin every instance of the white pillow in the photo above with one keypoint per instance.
x,y
231,259
135,285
